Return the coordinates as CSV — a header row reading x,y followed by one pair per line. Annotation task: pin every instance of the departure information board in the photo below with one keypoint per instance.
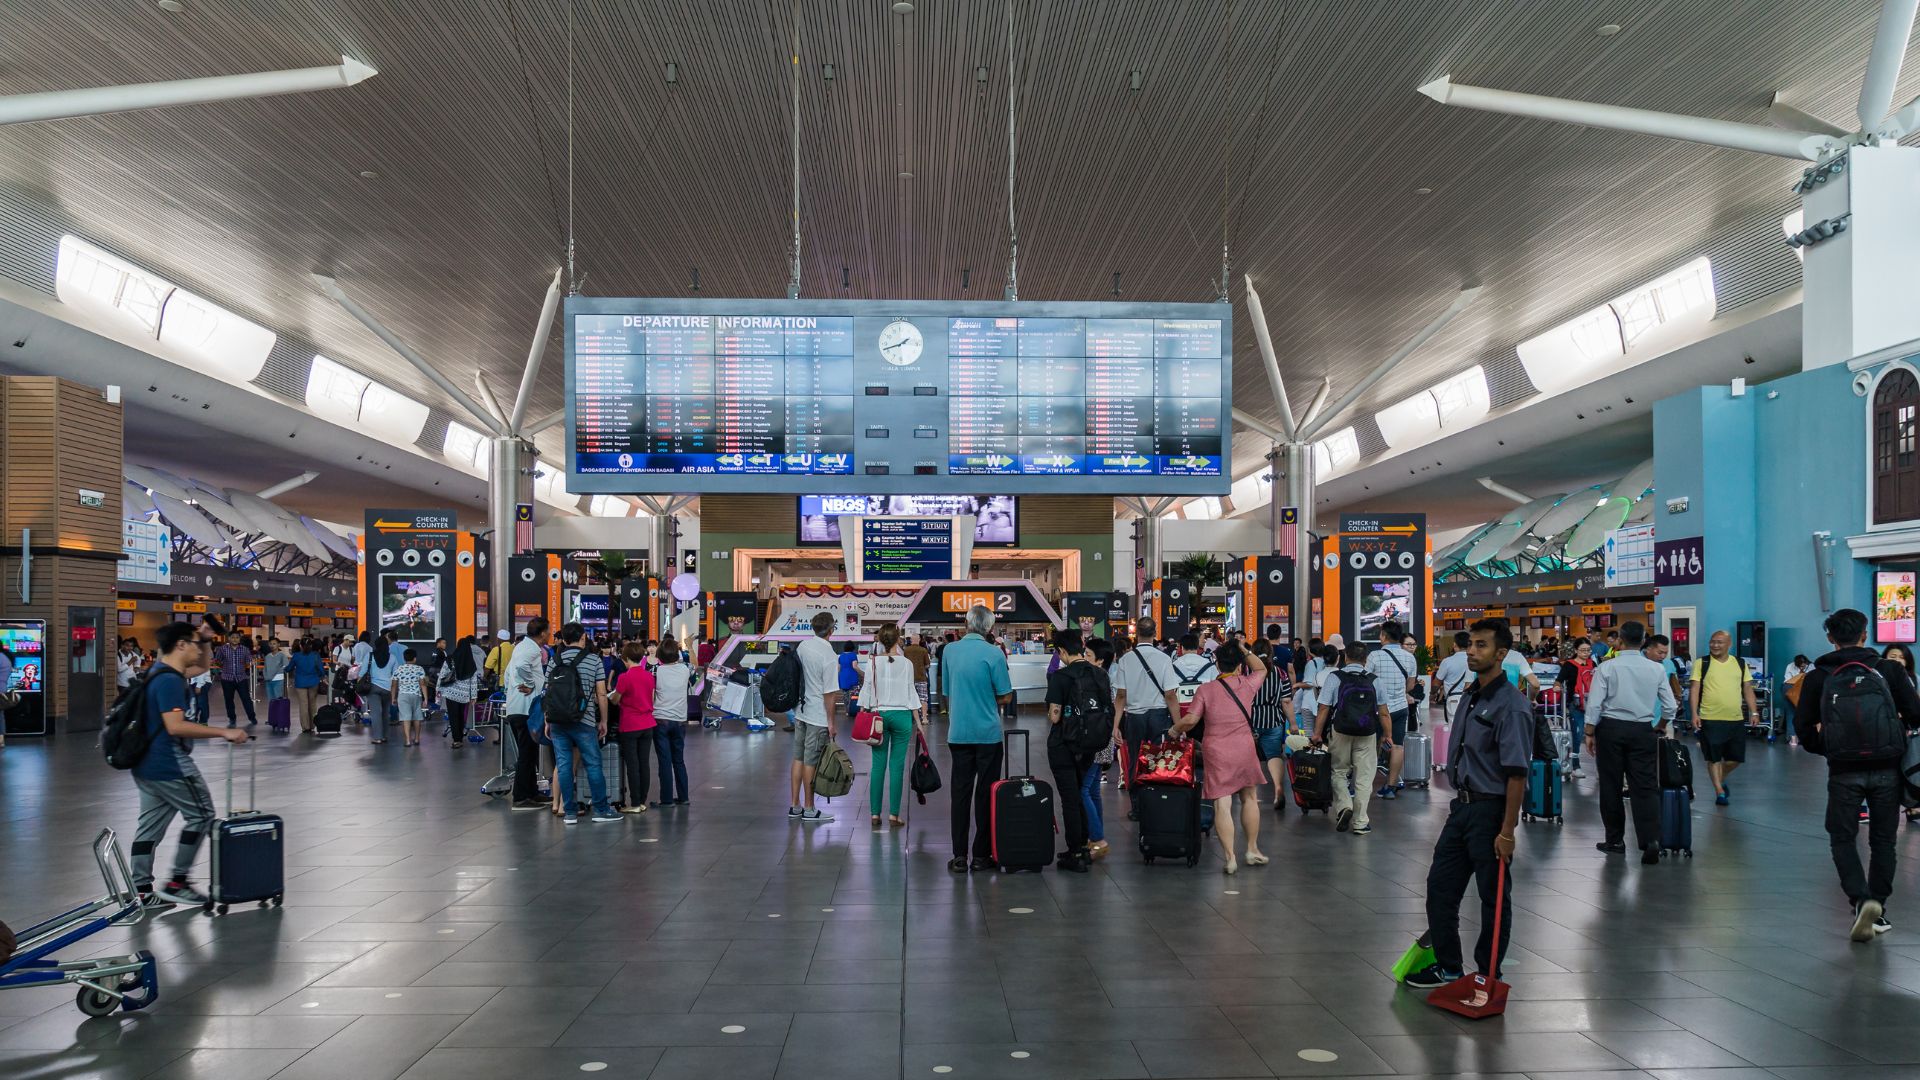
x,y
906,549
892,397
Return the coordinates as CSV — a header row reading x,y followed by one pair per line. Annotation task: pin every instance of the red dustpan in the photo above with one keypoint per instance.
x,y
1479,995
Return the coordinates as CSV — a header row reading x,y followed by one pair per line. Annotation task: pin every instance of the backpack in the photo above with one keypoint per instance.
x,y
1858,721
1583,682
125,738
1356,706
1189,685
834,778
783,683
565,701
1086,719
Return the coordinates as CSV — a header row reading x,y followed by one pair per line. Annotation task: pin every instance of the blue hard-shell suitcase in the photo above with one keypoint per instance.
x,y
248,850
1676,822
1543,793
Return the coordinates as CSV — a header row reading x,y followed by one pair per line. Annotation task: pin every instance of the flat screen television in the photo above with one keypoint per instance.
x,y
1893,602
1378,598
996,517
26,640
410,605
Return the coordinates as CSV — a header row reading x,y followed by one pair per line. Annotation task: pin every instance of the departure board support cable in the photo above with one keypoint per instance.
x,y
1013,227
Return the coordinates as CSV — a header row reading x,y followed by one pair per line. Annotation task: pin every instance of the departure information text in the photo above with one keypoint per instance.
x,y
889,397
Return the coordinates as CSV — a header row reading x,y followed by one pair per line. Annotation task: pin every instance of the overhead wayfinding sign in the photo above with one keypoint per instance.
x,y
888,397
894,549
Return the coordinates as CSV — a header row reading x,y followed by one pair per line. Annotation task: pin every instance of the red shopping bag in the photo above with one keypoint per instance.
x,y
1166,761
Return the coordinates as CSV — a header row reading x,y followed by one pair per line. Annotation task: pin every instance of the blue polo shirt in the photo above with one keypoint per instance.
x,y
973,675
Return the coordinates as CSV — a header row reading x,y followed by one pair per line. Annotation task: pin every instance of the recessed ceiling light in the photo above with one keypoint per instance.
x,y
172,6
906,176
903,7
1607,30
369,174
1423,191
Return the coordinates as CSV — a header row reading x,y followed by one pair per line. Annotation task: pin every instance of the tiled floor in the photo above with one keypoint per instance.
x,y
430,933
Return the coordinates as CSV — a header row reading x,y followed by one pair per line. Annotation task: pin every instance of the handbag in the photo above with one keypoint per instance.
x,y
1168,761
924,777
869,727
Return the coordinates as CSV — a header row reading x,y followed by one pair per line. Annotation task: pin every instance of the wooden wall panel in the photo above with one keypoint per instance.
x,y
749,513
57,438
1065,515
87,445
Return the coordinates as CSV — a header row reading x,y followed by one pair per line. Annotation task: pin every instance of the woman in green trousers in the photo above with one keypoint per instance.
x,y
887,688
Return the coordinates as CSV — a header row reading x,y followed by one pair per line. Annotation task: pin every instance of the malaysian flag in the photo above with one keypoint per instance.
x,y
522,528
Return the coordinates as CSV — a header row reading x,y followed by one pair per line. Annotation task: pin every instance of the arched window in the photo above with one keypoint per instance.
x,y
1896,465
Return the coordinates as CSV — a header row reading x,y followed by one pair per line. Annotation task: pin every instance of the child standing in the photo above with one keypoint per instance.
x,y
409,688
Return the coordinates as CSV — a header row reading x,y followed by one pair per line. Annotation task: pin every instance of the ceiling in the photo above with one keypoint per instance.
x,y
1294,125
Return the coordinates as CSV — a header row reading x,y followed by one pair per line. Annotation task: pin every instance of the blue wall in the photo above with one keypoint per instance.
x,y
1762,473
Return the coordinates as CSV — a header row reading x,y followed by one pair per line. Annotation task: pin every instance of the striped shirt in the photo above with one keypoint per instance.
x,y
1274,689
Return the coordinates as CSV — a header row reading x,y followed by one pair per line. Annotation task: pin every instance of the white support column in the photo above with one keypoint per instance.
x,y
1858,281
1299,489
509,483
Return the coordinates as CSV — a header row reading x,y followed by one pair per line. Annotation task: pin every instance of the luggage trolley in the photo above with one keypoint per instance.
x,y
490,711
108,982
1552,704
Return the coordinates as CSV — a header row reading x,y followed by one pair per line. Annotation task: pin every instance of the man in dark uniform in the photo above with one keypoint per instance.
x,y
1492,747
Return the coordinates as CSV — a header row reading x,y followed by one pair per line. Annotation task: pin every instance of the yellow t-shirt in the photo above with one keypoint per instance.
x,y
1721,697
497,660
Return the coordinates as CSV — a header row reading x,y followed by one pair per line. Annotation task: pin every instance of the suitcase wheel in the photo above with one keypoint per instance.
x,y
1149,859
1193,861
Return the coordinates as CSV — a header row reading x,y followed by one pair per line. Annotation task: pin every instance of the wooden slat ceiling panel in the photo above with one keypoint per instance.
x,y
453,243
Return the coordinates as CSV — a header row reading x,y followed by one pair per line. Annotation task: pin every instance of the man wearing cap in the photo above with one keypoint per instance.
x,y
497,659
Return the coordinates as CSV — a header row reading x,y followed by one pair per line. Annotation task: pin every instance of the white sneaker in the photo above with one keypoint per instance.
x,y
606,817
1864,916
815,817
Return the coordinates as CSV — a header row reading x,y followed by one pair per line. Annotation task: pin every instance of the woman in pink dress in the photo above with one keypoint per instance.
x,y
1232,765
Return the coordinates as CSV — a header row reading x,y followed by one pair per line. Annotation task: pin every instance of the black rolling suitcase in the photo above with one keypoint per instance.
x,y
249,849
1022,820
328,719
1170,822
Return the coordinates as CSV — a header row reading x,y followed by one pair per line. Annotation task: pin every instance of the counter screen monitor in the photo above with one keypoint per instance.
x,y
1893,598
1380,598
996,521
410,605
26,640
896,397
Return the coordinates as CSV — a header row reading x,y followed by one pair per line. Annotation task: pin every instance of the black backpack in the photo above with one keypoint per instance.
x,y
124,738
1356,706
1858,720
784,682
566,700
1086,720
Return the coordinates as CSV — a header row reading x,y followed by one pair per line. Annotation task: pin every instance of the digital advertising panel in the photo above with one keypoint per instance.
x,y
996,520
1893,601
898,397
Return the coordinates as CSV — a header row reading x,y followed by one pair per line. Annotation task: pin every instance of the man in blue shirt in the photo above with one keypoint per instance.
x,y
975,682
168,781
1490,752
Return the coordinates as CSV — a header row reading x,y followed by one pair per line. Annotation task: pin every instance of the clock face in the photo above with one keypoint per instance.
x,y
900,343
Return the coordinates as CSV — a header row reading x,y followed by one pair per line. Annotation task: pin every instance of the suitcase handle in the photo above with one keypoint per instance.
x,y
1006,756
253,775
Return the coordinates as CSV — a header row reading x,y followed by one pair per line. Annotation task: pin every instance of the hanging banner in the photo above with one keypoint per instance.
x,y
856,608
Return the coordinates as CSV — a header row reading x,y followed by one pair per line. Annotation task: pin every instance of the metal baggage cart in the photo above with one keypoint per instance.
x,y
1552,704
106,983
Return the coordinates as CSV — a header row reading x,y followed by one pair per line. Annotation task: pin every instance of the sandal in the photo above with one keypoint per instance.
x,y
876,821
894,822
1254,858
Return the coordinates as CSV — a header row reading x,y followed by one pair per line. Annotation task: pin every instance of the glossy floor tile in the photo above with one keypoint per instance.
x,y
429,932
